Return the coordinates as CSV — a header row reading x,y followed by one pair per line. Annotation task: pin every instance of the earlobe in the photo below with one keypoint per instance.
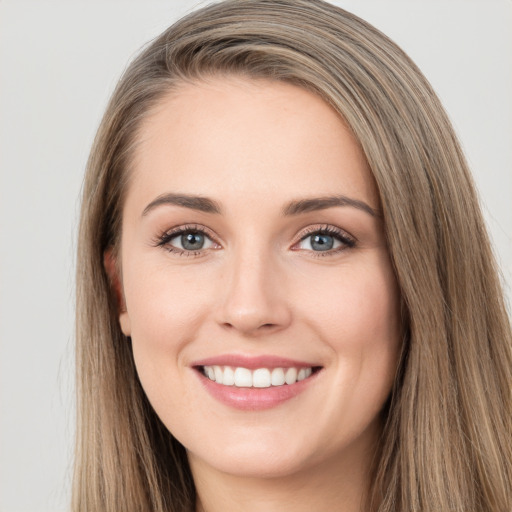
x,y
112,270
124,322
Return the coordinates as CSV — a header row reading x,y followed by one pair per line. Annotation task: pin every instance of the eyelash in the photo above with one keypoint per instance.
x,y
164,239
347,241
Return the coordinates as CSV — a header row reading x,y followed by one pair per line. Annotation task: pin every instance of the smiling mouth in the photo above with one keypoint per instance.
x,y
240,377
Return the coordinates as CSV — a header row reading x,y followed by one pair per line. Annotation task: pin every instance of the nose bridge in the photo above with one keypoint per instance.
x,y
254,301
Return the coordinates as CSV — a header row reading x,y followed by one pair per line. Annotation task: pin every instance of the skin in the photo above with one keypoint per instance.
x,y
259,288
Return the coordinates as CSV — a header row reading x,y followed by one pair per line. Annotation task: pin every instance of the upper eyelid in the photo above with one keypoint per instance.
x,y
326,228
177,230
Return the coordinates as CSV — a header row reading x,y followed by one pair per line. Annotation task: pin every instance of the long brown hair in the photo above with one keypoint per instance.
x,y
447,439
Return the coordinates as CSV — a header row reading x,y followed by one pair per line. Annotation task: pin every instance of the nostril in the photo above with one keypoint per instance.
x,y
229,325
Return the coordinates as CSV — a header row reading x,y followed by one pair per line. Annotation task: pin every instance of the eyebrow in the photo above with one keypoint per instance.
x,y
202,204
297,207
322,203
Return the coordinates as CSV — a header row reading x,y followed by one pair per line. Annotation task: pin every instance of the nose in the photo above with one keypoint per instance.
x,y
255,301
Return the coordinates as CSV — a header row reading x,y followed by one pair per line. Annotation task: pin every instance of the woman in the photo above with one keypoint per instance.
x,y
281,278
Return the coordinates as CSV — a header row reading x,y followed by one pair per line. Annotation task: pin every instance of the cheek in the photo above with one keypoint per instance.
x,y
167,308
355,308
357,317
161,299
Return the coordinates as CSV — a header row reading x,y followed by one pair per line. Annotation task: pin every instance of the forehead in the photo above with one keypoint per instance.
x,y
258,138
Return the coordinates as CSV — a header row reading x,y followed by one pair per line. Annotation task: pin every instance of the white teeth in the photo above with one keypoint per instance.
x,y
277,378
217,370
260,378
290,376
229,377
243,378
304,373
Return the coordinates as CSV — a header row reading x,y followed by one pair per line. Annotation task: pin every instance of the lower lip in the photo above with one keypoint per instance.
x,y
254,399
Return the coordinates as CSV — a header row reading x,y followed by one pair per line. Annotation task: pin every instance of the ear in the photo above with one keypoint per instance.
x,y
112,270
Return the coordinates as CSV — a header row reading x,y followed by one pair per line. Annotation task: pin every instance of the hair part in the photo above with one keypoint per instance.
x,y
446,442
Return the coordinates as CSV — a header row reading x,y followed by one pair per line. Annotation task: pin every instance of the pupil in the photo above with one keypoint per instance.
x,y
322,242
192,241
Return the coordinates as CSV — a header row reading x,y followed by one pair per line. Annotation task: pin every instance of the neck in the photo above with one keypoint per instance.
x,y
341,483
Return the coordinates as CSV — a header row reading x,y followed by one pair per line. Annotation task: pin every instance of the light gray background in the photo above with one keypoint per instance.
x,y
59,61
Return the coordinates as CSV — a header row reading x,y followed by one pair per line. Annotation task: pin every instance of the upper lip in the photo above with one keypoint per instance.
x,y
253,362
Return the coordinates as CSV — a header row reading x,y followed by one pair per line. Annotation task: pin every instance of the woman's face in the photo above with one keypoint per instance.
x,y
258,290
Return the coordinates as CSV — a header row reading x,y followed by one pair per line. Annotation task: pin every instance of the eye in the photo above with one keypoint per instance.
x,y
327,239
189,241
319,242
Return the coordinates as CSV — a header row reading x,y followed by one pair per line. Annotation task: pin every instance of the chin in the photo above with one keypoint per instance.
x,y
251,463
